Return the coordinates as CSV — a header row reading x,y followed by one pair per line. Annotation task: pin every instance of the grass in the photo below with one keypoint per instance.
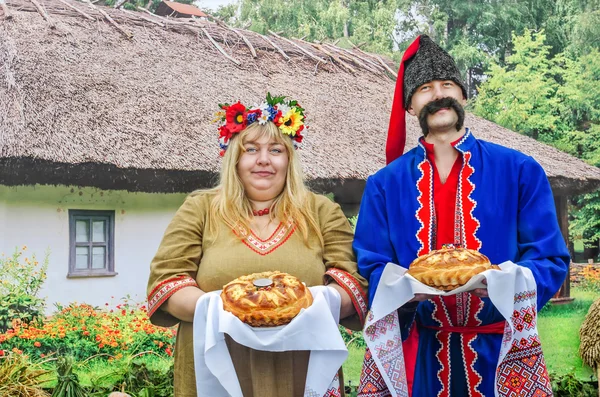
x,y
558,326
353,364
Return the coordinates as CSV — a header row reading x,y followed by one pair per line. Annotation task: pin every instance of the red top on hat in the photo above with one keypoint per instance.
x,y
396,138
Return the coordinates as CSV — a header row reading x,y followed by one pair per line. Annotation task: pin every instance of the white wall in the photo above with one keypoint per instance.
x,y
37,216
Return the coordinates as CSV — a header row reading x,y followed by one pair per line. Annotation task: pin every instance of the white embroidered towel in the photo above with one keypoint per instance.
x,y
314,329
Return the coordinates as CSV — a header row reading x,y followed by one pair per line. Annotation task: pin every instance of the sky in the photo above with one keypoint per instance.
x,y
212,4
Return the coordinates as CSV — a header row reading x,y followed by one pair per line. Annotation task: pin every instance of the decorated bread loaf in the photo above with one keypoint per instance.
x,y
449,267
266,299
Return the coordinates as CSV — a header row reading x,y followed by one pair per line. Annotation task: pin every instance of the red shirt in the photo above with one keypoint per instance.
x,y
444,198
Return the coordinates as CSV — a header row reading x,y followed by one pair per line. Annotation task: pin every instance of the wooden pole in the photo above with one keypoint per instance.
x,y
87,16
43,13
387,67
335,58
125,33
316,58
248,43
136,15
5,10
221,50
276,47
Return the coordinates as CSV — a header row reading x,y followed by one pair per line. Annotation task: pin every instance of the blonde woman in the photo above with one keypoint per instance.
x,y
261,217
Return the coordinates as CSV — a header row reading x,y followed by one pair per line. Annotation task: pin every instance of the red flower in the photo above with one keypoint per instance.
x,y
277,118
168,351
298,137
236,117
224,132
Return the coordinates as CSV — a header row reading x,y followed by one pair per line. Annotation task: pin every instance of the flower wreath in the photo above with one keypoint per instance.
x,y
288,116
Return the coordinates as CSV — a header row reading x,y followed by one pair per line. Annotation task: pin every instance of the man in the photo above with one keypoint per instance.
x,y
452,189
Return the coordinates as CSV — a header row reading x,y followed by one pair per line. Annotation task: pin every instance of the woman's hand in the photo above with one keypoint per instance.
x,y
347,308
182,304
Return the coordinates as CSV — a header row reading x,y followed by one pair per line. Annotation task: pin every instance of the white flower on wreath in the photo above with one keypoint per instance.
x,y
284,108
264,113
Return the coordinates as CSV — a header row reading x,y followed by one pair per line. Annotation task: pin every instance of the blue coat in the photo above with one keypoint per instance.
x,y
505,209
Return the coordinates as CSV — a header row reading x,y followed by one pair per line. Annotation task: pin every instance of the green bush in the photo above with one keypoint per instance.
x,y
568,385
20,281
81,331
354,338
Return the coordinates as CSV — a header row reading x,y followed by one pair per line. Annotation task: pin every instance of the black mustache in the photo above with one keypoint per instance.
x,y
442,103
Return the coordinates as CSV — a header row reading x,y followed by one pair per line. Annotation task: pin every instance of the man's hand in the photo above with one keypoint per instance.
x,y
422,297
481,292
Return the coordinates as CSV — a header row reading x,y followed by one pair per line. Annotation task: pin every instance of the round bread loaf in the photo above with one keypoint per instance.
x,y
260,305
449,268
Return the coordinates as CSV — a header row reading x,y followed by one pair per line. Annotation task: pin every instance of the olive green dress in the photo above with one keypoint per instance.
x,y
191,255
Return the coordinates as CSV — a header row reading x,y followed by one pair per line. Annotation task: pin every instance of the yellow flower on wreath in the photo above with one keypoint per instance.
x,y
291,122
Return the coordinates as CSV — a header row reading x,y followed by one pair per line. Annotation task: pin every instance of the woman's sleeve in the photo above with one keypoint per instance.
x,y
340,262
176,262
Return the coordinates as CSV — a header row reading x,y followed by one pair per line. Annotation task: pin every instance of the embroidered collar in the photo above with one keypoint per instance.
x,y
462,144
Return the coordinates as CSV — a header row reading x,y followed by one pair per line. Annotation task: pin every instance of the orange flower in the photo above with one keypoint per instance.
x,y
37,344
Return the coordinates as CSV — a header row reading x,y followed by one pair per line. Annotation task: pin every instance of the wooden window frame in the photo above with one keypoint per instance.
x,y
91,215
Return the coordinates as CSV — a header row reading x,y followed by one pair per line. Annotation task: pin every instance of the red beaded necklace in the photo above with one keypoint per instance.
x,y
260,212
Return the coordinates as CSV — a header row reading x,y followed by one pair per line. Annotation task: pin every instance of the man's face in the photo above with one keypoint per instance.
x,y
442,118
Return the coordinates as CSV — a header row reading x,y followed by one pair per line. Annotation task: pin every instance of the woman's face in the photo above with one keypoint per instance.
x,y
262,168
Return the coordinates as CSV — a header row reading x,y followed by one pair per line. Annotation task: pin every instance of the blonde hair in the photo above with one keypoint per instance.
x,y
230,203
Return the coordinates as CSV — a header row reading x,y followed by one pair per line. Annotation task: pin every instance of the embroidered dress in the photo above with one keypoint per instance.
x,y
502,206
191,255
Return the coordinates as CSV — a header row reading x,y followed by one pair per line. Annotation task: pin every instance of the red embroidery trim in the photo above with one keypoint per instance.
x,y
165,289
287,233
425,214
353,288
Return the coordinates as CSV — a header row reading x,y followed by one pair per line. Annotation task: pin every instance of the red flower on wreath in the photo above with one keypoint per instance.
x,y
277,118
225,133
235,116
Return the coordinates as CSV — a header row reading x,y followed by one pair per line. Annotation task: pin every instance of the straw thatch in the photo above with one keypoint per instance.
x,y
128,104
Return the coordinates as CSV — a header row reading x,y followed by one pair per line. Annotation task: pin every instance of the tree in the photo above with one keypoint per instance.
x,y
367,23
555,100
521,96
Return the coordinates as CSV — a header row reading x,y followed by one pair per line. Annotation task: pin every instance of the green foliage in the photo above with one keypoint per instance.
x,y
586,218
19,377
82,331
569,385
68,382
552,99
522,95
226,13
364,22
136,377
353,220
20,281
354,338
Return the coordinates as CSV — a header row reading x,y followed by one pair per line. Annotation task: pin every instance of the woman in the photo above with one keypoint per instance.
x,y
260,217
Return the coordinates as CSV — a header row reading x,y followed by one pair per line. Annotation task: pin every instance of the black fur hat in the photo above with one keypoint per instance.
x,y
431,62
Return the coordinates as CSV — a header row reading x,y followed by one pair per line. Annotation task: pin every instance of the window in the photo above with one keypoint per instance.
x,y
91,243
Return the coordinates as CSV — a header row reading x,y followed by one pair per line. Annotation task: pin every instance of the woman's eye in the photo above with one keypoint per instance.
x,y
250,149
275,150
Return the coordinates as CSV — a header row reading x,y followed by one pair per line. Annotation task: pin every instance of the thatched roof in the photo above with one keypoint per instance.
x,y
81,103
